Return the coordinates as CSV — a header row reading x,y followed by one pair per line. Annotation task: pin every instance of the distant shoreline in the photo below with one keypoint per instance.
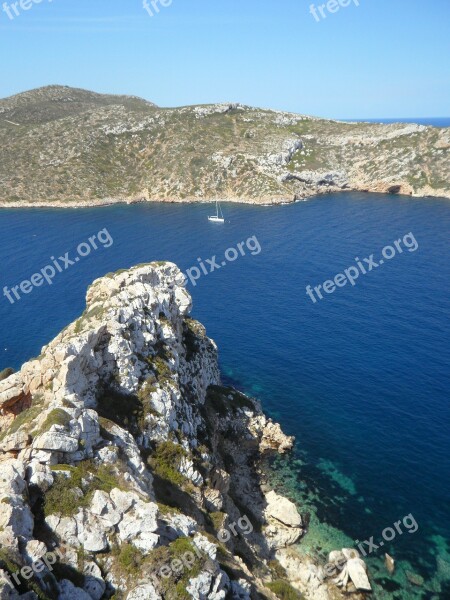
x,y
275,201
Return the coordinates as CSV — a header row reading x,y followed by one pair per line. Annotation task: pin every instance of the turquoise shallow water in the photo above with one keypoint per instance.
x,y
361,377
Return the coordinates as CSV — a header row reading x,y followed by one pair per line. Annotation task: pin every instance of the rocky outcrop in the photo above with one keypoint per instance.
x,y
122,451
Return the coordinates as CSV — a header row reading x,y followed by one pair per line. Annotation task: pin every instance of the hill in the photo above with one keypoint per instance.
x,y
68,146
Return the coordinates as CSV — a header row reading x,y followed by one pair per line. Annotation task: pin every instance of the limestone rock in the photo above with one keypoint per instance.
x,y
282,537
16,441
274,439
40,475
182,525
137,359
139,526
282,510
357,572
55,440
103,507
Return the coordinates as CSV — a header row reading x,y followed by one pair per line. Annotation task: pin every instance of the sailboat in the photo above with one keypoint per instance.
x,y
218,217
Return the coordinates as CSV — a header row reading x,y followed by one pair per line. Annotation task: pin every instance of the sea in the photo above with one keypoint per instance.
x,y
361,376
431,121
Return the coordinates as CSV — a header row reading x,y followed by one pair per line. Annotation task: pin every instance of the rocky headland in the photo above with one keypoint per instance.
x,y
67,147
129,471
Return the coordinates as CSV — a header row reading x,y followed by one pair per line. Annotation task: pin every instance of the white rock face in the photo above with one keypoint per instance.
x,y
16,518
282,510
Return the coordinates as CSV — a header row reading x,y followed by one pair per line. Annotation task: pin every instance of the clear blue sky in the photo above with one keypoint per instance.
x,y
383,58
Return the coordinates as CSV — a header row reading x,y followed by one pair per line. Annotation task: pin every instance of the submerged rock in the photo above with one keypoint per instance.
x,y
390,563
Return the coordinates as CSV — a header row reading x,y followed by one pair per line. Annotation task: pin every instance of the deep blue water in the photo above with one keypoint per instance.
x,y
433,121
361,377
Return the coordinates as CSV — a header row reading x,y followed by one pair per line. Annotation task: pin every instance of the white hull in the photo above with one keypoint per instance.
x,y
216,219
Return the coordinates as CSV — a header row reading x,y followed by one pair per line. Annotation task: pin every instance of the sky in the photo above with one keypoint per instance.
x,y
370,59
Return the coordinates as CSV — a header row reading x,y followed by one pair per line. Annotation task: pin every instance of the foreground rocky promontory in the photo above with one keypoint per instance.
x,y
128,471
69,147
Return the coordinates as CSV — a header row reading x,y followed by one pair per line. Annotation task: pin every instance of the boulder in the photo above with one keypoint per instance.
x,y
55,440
282,510
357,571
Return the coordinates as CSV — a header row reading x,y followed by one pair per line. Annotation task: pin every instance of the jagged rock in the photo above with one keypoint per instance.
x,y
11,391
123,500
337,557
139,525
274,439
187,469
220,480
65,528
16,519
108,455
92,530
90,429
304,575
103,507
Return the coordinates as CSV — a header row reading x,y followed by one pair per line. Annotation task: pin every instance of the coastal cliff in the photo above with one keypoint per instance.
x,y
68,147
129,471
